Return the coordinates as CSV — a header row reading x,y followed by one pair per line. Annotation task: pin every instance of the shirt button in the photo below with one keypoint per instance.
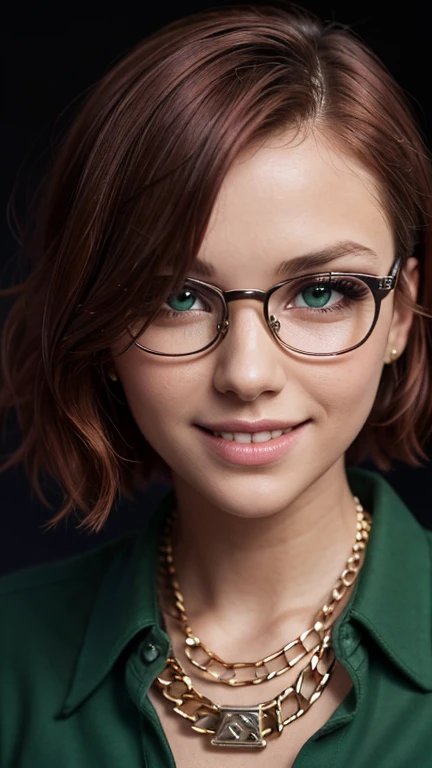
x,y
150,653
350,638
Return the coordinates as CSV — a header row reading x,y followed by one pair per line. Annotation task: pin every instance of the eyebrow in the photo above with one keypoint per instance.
x,y
307,262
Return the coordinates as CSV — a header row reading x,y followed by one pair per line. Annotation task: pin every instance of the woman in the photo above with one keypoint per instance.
x,y
232,286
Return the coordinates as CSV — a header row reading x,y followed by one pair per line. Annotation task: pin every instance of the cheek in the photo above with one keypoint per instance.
x,y
159,394
346,388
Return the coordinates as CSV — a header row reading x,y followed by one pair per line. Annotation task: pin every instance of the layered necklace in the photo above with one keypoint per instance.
x,y
252,726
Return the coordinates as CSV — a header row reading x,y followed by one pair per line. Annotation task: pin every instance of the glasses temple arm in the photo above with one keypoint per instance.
x,y
395,270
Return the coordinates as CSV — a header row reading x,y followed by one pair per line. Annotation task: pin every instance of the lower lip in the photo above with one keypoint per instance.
x,y
254,453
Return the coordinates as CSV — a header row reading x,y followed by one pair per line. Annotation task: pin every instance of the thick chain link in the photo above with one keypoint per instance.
x,y
205,714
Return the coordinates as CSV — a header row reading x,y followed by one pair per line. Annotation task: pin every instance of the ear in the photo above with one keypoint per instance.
x,y
402,315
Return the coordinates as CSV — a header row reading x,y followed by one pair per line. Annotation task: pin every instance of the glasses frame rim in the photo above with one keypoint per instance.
x,y
380,286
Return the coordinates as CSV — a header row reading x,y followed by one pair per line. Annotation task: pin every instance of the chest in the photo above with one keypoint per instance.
x,y
193,750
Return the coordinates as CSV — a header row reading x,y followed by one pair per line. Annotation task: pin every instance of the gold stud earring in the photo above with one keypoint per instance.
x,y
113,376
393,356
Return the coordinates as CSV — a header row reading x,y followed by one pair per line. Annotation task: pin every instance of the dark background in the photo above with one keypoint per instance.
x,y
51,56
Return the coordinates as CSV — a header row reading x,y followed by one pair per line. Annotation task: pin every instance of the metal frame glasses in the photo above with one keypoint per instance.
x,y
379,286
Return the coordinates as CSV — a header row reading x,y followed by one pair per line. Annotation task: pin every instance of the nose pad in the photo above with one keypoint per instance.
x,y
274,324
223,327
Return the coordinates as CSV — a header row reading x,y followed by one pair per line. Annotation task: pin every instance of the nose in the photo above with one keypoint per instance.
x,y
249,360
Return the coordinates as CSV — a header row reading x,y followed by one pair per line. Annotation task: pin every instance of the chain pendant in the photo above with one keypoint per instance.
x,y
240,727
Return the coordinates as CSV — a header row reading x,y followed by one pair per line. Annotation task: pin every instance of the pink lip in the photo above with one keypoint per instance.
x,y
254,453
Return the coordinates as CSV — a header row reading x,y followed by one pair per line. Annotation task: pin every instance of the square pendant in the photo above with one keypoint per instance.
x,y
239,727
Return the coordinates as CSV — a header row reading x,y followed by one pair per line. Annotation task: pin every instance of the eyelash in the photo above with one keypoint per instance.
x,y
352,291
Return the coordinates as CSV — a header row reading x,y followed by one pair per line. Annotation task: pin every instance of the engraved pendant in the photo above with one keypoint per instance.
x,y
240,727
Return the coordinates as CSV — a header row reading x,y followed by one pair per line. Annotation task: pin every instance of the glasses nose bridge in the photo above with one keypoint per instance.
x,y
250,293
246,293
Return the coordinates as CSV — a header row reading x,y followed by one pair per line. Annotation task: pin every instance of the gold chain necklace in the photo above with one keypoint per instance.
x,y
313,635
248,726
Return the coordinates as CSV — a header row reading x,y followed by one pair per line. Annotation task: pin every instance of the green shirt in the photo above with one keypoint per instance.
x,y
81,642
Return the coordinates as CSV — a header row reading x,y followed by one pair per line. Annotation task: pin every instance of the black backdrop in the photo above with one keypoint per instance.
x,y
51,56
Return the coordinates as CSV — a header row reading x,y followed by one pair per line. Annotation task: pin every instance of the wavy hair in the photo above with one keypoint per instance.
x,y
131,188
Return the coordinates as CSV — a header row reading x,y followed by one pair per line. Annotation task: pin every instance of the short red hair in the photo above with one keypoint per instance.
x,y
133,185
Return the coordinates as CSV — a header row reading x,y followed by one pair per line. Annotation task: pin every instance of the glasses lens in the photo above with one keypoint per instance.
x,y
187,322
323,315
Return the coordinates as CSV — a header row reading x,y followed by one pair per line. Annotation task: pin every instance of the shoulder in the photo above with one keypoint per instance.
x,y
397,528
42,599
44,611
393,597
378,494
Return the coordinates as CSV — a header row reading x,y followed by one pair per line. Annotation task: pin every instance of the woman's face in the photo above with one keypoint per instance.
x,y
277,202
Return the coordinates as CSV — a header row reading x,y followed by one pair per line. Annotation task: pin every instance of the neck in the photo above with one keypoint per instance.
x,y
276,571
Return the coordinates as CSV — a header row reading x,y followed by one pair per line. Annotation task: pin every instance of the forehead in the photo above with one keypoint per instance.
x,y
291,197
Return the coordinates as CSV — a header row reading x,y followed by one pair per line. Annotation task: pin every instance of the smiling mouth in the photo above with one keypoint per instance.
x,y
252,448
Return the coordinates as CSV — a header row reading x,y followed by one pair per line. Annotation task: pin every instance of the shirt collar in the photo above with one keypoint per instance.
x,y
392,600
125,605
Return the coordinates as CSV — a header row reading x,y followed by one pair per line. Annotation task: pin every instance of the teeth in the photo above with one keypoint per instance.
x,y
225,435
252,437
242,437
261,437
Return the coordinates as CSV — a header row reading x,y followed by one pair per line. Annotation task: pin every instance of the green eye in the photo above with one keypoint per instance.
x,y
316,296
181,301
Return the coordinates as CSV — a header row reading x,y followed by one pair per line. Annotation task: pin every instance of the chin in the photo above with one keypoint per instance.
x,y
248,497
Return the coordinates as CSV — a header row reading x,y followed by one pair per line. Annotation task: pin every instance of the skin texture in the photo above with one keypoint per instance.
x,y
262,545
